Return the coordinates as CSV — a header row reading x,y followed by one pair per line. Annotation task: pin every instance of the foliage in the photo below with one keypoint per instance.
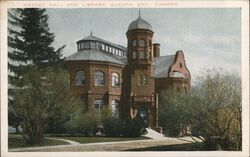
x,y
212,108
45,96
132,127
216,109
172,112
29,44
112,126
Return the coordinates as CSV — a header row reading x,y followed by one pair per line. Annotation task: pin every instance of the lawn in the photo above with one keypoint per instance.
x,y
16,141
103,139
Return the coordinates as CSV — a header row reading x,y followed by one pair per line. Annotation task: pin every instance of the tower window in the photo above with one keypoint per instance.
x,y
134,54
142,43
142,80
134,43
80,78
181,65
99,78
142,54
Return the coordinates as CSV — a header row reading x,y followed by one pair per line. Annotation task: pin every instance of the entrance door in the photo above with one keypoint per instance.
x,y
143,113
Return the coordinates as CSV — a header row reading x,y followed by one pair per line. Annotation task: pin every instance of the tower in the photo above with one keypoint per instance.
x,y
141,97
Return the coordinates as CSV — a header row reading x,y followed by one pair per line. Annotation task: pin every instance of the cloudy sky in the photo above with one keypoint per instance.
x,y
210,38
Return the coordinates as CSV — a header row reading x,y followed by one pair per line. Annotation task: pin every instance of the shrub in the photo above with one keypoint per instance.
x,y
132,127
112,126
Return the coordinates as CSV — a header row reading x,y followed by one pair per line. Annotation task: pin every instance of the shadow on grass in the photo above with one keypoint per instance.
x,y
177,147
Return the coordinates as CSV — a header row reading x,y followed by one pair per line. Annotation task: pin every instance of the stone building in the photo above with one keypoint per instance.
x,y
127,79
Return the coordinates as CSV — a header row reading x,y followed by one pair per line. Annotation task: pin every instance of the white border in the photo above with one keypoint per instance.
x,y
244,5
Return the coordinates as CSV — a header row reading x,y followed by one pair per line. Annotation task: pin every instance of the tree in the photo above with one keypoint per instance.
x,y
215,110
45,95
172,112
212,108
29,44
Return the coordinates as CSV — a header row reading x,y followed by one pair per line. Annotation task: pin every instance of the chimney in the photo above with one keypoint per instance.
x,y
156,49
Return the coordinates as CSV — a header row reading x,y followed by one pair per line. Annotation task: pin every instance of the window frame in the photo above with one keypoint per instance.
x,y
115,108
78,79
115,80
134,43
99,103
142,43
99,80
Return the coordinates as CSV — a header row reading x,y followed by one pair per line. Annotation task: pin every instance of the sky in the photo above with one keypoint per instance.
x,y
209,38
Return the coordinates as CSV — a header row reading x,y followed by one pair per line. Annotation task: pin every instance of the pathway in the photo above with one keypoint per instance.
x,y
157,140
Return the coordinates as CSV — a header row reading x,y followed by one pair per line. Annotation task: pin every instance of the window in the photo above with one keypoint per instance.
x,y
150,43
115,108
180,65
103,47
99,78
134,43
87,45
142,80
142,43
80,78
107,48
115,80
79,46
93,45
142,55
98,104
110,49
139,81
134,55
82,45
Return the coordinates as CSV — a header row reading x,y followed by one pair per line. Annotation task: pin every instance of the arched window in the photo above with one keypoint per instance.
x,y
99,78
80,78
115,80
142,43
98,104
115,108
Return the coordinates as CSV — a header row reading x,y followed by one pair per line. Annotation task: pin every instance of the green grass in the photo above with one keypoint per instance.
x,y
102,139
177,147
16,141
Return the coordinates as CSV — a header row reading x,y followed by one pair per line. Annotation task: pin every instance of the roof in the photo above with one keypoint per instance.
x,y
94,38
95,55
139,23
162,65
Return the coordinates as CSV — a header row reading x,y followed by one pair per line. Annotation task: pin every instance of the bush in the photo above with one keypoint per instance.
x,y
88,123
112,126
132,127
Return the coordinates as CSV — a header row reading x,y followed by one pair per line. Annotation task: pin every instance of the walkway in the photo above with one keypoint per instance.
x,y
157,140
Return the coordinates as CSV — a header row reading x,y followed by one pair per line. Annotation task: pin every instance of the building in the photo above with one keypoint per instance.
x,y
127,79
